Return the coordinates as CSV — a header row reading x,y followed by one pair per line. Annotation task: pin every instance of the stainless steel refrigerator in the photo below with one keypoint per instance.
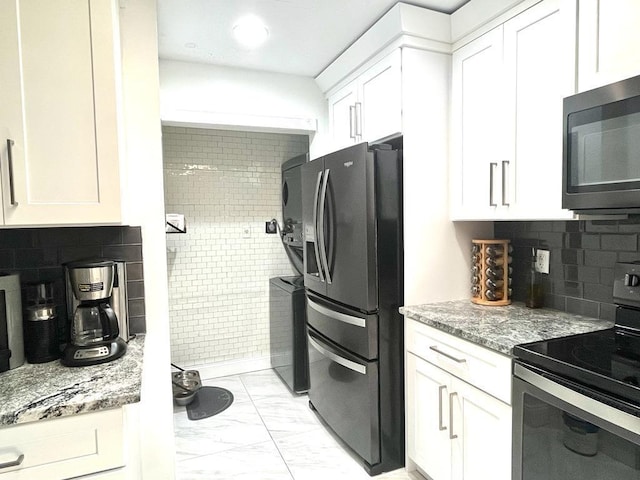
x,y
353,277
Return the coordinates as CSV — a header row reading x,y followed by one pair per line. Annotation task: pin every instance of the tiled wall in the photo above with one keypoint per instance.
x,y
223,182
37,254
583,254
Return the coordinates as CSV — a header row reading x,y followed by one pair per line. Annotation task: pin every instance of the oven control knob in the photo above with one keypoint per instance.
x,y
631,280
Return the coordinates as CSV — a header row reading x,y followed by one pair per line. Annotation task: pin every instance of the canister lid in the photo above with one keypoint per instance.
x,y
36,313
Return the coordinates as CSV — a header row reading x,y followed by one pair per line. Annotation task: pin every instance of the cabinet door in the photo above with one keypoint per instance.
x,y
380,103
477,150
63,448
428,443
342,116
537,78
608,39
482,424
59,111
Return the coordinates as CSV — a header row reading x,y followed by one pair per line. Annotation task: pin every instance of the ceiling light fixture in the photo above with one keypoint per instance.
x,y
250,31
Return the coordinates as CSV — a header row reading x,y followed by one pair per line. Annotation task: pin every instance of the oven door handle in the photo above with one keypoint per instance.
x,y
613,410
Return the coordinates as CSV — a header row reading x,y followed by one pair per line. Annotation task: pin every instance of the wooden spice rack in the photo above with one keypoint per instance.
x,y
490,277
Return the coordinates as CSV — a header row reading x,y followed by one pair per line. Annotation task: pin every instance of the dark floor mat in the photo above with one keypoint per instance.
x,y
209,401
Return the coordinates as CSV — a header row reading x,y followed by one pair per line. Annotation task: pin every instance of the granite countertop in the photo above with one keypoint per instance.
x,y
44,391
501,328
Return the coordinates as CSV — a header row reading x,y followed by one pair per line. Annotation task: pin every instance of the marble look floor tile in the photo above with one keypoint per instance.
x,y
286,415
238,425
316,455
400,474
264,383
259,461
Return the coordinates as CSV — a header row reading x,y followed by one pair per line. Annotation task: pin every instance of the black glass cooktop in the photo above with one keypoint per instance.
x,y
608,360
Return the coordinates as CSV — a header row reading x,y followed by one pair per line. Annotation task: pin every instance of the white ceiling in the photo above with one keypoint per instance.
x,y
305,35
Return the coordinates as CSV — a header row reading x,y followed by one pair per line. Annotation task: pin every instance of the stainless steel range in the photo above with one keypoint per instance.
x,y
576,399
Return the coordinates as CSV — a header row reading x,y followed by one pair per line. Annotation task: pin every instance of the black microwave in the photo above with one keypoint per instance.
x,y
601,149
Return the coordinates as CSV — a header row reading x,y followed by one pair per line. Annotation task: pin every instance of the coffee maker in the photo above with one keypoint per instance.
x,y
94,333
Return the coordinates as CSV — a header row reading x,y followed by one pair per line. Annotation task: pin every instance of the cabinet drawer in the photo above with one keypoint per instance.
x,y
488,370
62,448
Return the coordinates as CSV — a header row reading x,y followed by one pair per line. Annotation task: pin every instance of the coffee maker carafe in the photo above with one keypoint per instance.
x,y
94,332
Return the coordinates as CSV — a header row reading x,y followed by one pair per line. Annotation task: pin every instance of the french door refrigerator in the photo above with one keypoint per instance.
x,y
352,219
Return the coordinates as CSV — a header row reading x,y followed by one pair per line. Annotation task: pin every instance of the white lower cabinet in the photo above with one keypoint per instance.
x,y
455,430
63,448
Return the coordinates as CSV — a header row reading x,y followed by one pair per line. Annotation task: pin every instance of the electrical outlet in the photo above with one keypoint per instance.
x,y
271,227
246,231
542,261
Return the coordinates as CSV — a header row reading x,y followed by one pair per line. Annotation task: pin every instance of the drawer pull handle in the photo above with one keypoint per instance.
x,y
356,367
342,317
452,436
455,359
15,463
440,425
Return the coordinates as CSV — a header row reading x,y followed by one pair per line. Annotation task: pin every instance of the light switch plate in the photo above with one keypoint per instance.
x,y
542,261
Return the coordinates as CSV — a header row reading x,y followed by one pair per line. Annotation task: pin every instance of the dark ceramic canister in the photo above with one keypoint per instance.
x,y
41,334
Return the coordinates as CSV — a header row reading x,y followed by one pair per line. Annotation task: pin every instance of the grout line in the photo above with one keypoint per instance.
x,y
275,444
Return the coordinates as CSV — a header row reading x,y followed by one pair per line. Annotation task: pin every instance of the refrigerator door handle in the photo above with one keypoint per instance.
x,y
341,317
356,367
323,247
316,198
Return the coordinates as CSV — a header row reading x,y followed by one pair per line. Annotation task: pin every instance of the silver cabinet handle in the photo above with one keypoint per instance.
x,y
505,164
12,192
342,317
440,390
323,247
358,112
356,367
14,463
452,436
455,359
492,166
352,121
316,198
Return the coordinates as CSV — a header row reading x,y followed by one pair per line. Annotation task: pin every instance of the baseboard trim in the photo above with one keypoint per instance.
x,y
234,367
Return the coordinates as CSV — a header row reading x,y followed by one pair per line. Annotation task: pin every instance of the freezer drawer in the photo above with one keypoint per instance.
x,y
344,391
352,330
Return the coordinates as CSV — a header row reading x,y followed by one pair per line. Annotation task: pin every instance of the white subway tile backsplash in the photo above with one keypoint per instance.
x,y
218,280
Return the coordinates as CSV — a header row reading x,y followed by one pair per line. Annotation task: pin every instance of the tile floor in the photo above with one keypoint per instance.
x,y
268,433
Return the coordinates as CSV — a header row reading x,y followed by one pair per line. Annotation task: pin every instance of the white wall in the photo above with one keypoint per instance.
x,y
224,182
142,170
195,94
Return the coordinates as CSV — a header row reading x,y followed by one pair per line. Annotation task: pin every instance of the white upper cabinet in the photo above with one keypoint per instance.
x,y
477,127
608,39
507,94
368,108
59,156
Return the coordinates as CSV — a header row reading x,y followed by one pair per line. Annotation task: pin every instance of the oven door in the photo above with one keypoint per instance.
x,y
564,431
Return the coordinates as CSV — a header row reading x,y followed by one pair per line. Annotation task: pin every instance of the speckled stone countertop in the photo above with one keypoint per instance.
x,y
501,328
44,391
